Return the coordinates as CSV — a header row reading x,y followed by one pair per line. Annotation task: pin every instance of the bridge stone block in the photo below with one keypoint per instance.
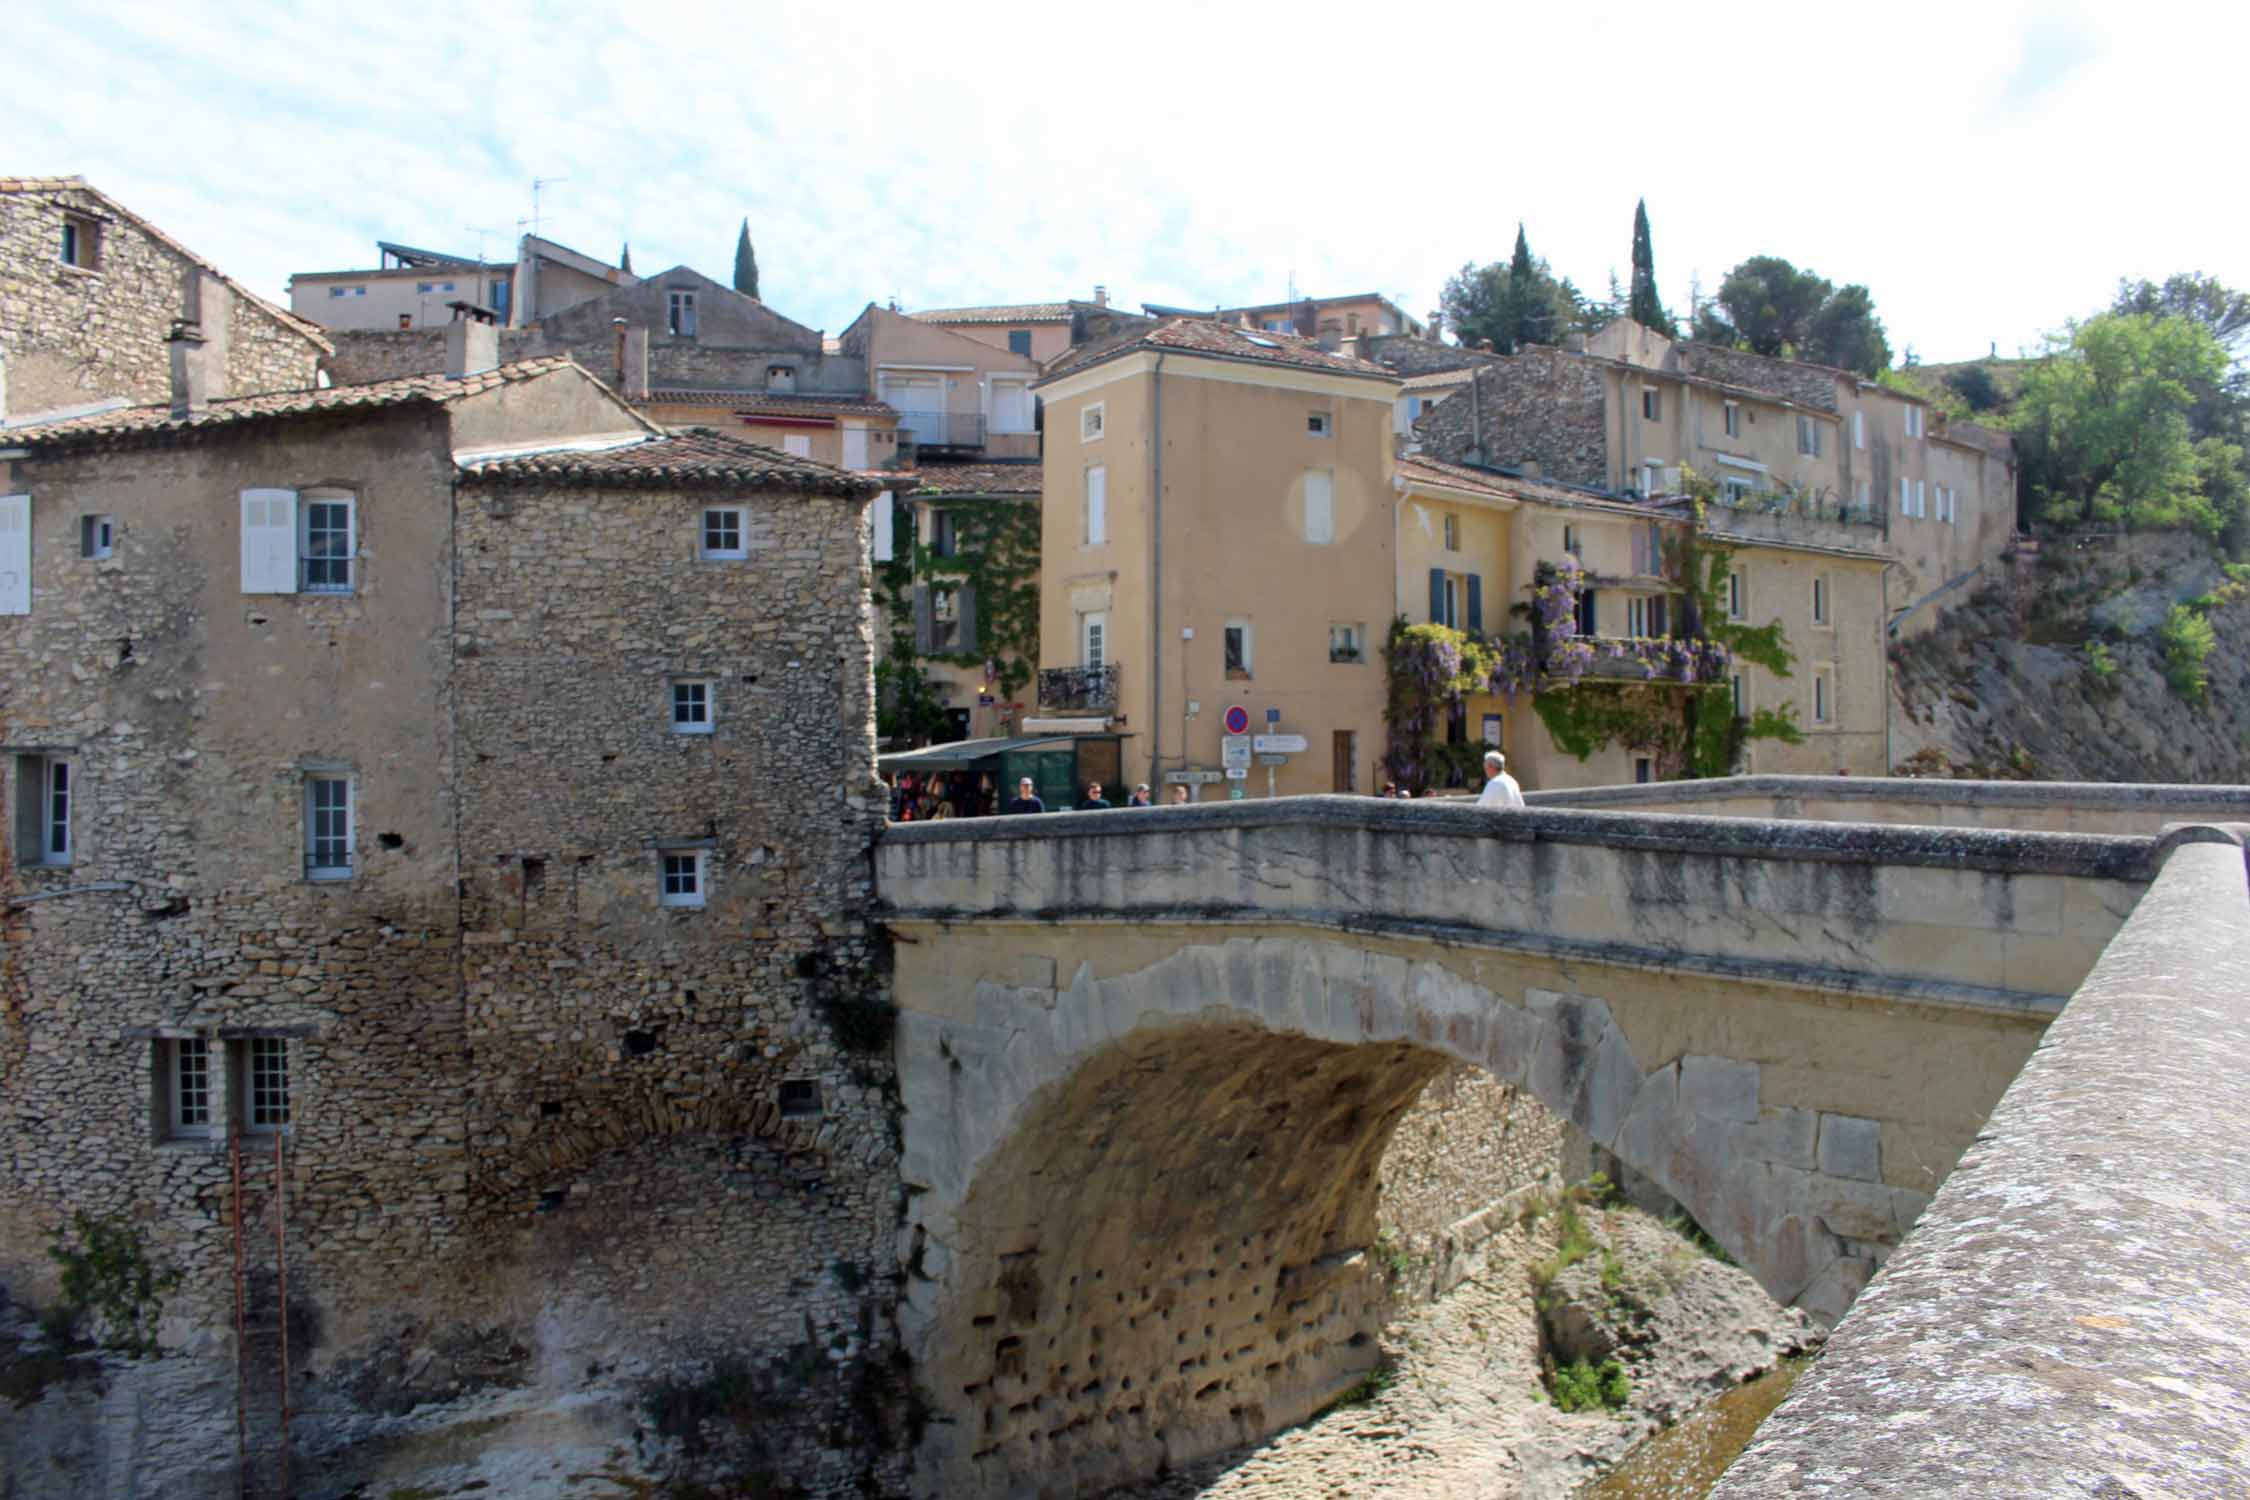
x,y
1612,1083
1383,1015
1833,1290
1855,1210
1851,1147
1650,1126
1784,1136
1342,976
1719,1088
1512,1039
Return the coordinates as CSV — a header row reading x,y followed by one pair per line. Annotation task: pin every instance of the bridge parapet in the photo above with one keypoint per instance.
x,y
2072,1313
2030,806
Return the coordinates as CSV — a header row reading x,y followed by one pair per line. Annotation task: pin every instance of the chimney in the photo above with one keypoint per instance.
x,y
472,347
1101,295
633,383
191,369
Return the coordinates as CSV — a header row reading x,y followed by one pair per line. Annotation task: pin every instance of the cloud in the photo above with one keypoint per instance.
x,y
1987,172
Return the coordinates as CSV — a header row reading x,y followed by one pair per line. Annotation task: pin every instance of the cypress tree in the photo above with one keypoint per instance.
x,y
745,263
1646,307
625,258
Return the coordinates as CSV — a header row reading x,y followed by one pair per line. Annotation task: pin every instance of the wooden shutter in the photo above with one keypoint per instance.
x,y
1437,596
924,622
1097,504
1476,601
965,611
269,541
15,554
882,519
1320,506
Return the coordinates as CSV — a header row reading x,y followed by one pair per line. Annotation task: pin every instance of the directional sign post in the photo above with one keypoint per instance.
x,y
1279,744
1234,751
1191,778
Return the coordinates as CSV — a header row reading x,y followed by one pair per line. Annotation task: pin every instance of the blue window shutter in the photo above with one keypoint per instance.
x,y
1437,596
1476,601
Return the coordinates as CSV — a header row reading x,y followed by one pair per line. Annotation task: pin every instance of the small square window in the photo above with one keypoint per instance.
x,y
800,1098
265,1084
46,795
1319,424
328,828
97,536
1737,489
724,532
691,705
326,543
425,286
81,242
1090,419
1347,643
682,879
1019,341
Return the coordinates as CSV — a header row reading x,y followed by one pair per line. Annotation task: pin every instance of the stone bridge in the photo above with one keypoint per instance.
x,y
1150,1060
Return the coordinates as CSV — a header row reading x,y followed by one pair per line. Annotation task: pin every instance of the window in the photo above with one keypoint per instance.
x,y
1738,595
683,879
1452,532
81,243
945,620
184,1077
500,293
1570,539
326,544
46,786
97,536
1808,437
882,513
1914,421
328,828
1013,407
691,705
1090,418
1921,497
797,444
1093,638
265,1084
1946,498
1741,694
1588,617
1019,341
679,316
1859,429
723,532
425,286
1347,643
1652,404
1238,648
1647,617
1823,696
1644,769
1279,325
1446,606
1319,424
1820,599
1097,505
1343,760
800,1098
1737,489
1733,415
347,291
945,537
1320,507
1650,479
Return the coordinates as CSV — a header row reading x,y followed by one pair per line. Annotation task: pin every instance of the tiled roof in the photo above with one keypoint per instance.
x,y
146,424
1438,380
974,479
1791,379
695,459
771,405
1543,492
1220,341
1007,312
286,318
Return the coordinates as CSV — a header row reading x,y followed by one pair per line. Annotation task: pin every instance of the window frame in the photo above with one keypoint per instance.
x,y
35,776
97,536
1320,424
1452,531
1859,429
1320,519
1093,639
1734,488
81,243
250,1097
699,691
315,843
1914,422
1092,512
679,313
1731,418
1356,637
696,869
1739,688
1652,404
1738,594
1821,603
1093,421
1022,334
309,501
1238,649
704,531
172,1054
1572,542
1824,695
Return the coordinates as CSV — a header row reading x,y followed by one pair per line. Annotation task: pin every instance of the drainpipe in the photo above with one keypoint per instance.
x,y
1156,586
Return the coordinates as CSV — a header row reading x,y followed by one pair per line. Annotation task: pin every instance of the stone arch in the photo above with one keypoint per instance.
x,y
1139,1205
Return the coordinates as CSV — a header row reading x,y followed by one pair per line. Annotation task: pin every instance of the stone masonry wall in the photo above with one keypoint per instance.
x,y
71,336
364,355
1542,406
1465,1145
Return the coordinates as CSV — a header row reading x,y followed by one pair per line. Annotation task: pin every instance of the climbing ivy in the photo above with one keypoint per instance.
x,y
996,552
1429,669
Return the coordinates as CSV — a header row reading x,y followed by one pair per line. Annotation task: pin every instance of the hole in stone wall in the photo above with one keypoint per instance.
x,y
124,650
553,1199
641,1043
689,996
549,1108
800,1097
257,619
391,840
534,876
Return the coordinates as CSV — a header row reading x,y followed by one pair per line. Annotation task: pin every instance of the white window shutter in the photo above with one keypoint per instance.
x,y
269,541
15,554
1097,504
1320,506
883,542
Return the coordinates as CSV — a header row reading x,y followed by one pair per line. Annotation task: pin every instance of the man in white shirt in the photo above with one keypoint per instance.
x,y
1500,789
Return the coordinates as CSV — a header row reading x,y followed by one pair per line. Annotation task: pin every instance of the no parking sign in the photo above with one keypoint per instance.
x,y
1238,720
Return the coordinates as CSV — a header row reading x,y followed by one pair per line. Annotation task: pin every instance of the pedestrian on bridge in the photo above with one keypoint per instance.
x,y
1027,799
1500,789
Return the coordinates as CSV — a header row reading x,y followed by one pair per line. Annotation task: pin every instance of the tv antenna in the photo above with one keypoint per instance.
x,y
536,220
482,231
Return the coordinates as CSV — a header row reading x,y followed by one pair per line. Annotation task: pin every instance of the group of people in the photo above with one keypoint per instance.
x,y
1028,800
942,794
957,794
1500,789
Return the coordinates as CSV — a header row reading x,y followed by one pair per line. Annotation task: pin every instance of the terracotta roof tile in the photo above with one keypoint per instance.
x,y
1540,491
1437,380
975,479
1221,341
779,406
1005,312
309,329
142,424
695,459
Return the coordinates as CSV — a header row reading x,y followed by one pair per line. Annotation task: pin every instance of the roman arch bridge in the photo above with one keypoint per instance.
x,y
1150,1059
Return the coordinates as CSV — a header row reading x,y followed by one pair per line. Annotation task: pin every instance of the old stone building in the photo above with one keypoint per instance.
x,y
456,791
89,290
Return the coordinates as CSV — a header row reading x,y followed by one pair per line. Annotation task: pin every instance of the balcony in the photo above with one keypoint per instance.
x,y
1079,689
928,430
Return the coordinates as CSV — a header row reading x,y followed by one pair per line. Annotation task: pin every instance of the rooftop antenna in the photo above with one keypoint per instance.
x,y
481,232
537,219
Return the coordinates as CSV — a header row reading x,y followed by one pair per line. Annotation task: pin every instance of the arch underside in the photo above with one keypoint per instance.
x,y
1142,1205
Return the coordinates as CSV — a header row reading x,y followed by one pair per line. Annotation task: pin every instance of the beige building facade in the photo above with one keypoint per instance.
x,y
954,394
410,288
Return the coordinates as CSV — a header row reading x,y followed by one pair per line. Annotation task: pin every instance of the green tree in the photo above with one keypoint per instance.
x,y
625,258
2102,424
1646,307
745,263
1845,332
1523,302
1769,306
1974,384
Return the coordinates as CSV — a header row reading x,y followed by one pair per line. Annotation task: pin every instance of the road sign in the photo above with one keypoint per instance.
x,y
1234,794
1234,751
1279,744
1273,760
1273,717
1238,773
1238,720
1191,778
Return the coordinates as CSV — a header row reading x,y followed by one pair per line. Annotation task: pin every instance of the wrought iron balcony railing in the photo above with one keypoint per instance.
x,y
942,429
1079,689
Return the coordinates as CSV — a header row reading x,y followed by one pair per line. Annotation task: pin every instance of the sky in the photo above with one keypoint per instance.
x,y
1988,170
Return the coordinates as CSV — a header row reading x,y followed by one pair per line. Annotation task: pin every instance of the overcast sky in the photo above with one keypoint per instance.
x,y
1988,170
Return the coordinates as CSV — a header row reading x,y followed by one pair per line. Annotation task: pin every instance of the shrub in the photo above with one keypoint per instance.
x,y
1575,1244
1579,1386
107,1272
2188,641
2100,665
